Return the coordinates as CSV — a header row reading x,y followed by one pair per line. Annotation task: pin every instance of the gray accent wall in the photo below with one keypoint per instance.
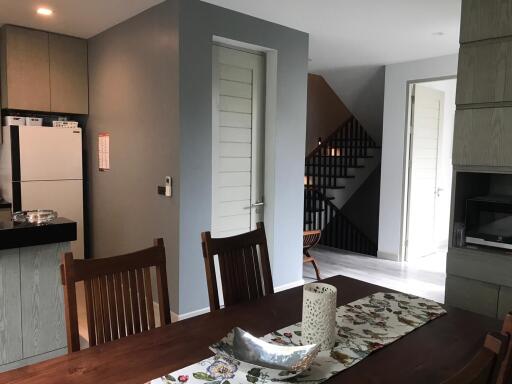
x,y
151,89
133,95
199,22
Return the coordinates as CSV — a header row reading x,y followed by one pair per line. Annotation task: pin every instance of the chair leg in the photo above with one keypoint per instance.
x,y
317,271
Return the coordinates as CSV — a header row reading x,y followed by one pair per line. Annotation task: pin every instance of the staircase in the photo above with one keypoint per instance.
x,y
333,172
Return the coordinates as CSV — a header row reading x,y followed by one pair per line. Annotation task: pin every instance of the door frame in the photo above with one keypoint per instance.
x,y
407,160
269,126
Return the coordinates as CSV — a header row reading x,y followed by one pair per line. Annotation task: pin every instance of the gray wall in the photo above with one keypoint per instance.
x,y
394,145
362,90
133,91
284,209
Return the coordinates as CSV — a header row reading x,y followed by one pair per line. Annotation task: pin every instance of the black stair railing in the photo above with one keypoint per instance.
x,y
325,168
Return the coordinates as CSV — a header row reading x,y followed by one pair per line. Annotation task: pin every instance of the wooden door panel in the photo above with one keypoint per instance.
x,y
485,19
10,307
25,69
485,73
483,137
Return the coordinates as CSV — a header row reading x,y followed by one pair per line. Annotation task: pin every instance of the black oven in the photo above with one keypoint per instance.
x,y
489,221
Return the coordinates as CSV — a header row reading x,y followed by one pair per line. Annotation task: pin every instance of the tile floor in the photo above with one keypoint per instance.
x,y
424,277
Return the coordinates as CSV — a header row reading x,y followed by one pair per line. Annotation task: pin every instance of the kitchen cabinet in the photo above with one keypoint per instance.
x,y
43,71
42,299
68,74
25,77
10,307
482,137
472,295
485,73
485,19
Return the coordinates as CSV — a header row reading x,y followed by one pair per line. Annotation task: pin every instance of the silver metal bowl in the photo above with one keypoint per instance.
x,y
242,346
37,216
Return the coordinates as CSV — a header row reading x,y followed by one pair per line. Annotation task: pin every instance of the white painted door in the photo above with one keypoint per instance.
x,y
237,141
426,119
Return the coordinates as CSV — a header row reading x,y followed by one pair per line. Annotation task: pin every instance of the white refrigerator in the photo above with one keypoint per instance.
x,y
41,168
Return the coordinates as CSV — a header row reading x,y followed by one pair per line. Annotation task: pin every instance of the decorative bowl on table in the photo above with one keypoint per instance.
x,y
279,361
37,216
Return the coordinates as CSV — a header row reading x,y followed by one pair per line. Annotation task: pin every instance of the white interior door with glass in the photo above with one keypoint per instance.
x,y
237,140
426,121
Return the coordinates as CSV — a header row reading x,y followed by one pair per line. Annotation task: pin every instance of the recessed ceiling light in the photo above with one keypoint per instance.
x,y
44,11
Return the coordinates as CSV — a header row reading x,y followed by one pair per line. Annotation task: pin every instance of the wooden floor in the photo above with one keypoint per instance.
x,y
425,278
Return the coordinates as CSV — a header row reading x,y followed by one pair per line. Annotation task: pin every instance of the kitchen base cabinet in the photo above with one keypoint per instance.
x,y
10,306
32,321
472,295
504,302
42,299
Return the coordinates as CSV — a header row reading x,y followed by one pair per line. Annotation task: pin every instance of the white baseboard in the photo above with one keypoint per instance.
x,y
388,256
293,284
177,317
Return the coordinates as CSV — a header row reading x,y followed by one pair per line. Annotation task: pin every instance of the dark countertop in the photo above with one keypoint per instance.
x,y
15,235
4,204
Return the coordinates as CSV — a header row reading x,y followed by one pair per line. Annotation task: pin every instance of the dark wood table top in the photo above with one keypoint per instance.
x,y
427,355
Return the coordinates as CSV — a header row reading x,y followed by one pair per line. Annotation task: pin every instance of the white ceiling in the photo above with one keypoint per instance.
x,y
347,33
343,33
81,18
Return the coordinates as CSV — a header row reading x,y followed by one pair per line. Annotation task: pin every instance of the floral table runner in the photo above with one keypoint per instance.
x,y
363,327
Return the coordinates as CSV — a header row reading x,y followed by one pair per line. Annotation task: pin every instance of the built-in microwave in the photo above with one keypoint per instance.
x,y
489,221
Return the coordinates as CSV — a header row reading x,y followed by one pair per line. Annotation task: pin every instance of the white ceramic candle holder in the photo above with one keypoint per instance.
x,y
319,315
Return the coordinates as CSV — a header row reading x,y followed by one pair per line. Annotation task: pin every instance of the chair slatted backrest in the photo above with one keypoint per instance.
x,y
244,267
310,239
118,294
485,365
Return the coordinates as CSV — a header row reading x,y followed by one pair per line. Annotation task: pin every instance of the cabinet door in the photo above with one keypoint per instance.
x,y
10,307
483,137
485,73
68,74
25,69
42,304
505,302
485,19
472,295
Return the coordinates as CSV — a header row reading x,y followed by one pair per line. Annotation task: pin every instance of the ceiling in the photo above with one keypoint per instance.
x,y
81,18
348,33
343,33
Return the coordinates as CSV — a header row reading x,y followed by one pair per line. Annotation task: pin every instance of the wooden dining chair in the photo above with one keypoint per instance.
x,y
505,372
310,239
118,294
485,365
244,267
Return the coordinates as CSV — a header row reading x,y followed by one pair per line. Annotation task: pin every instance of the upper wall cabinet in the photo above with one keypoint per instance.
x,y
24,69
485,19
43,71
485,72
68,74
482,137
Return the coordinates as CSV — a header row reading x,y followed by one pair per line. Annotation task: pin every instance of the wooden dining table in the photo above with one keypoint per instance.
x,y
429,354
